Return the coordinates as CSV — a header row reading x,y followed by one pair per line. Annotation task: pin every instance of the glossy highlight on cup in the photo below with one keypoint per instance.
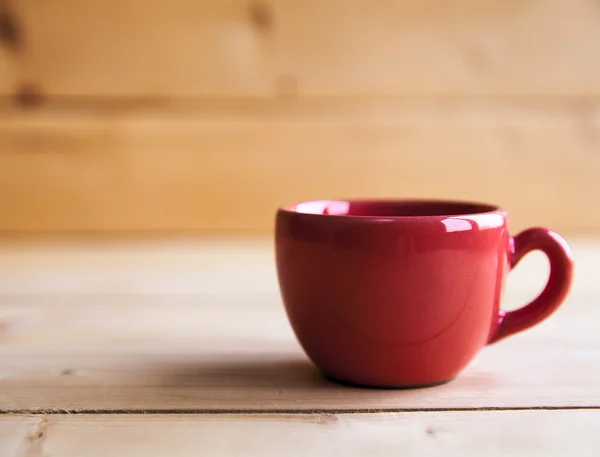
x,y
405,293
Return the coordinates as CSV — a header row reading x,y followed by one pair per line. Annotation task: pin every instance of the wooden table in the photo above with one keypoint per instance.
x,y
181,347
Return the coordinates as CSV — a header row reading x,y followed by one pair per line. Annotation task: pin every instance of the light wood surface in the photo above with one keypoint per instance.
x,y
177,355
158,345
205,116
500,433
117,115
238,48
227,169
200,326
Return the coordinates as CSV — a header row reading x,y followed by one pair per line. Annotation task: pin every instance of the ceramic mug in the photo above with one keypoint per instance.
x,y
404,293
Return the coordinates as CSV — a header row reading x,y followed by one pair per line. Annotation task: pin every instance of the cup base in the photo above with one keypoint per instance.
x,y
385,386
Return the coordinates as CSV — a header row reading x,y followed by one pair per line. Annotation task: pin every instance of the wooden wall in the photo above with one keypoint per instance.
x,y
208,114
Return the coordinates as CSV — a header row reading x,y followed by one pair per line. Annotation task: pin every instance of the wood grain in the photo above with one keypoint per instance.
x,y
16,433
98,327
515,433
134,335
286,101
237,48
167,356
223,169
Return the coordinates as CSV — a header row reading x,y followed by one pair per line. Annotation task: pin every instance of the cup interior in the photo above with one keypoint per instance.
x,y
391,208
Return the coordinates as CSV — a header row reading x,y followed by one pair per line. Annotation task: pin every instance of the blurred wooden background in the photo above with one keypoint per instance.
x,y
208,114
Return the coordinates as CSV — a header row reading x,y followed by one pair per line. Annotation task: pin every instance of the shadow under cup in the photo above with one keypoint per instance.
x,y
404,293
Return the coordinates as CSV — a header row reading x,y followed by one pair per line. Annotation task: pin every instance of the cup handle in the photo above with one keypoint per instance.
x,y
559,282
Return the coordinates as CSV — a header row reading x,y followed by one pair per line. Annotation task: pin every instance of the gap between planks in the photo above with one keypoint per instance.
x,y
221,412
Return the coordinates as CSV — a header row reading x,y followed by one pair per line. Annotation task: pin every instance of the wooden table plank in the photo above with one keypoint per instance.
x,y
491,433
177,355
202,328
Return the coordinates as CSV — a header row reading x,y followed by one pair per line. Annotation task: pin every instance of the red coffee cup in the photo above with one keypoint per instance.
x,y
404,293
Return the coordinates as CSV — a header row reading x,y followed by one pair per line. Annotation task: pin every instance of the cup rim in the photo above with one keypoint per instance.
x,y
479,208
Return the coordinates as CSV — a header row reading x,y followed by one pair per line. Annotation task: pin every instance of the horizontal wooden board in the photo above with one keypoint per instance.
x,y
201,327
229,168
200,355
258,48
515,433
